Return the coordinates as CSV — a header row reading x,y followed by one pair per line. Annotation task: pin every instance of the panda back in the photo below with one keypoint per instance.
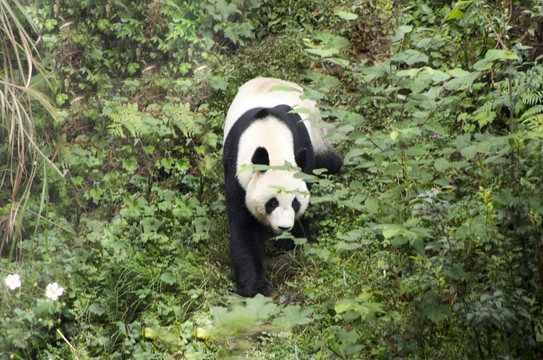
x,y
258,93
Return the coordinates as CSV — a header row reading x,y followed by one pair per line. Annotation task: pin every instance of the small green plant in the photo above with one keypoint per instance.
x,y
231,20
429,240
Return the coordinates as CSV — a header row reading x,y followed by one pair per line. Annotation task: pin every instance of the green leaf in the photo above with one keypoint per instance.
x,y
457,72
218,83
470,151
410,57
61,99
438,76
340,42
499,54
399,241
343,306
361,307
225,9
102,24
409,72
352,235
356,184
371,73
283,87
328,82
355,203
168,278
441,164
454,14
50,24
461,82
494,55
435,313
347,246
338,61
96,309
405,29
345,15
391,232
371,205
293,315
132,68
243,317
323,51
456,271
150,224
416,151
483,65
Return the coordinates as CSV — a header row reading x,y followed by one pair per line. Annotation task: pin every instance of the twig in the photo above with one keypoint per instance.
x,y
72,349
336,353
52,222
498,36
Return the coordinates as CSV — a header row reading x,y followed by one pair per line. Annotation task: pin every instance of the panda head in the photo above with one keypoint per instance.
x,y
276,198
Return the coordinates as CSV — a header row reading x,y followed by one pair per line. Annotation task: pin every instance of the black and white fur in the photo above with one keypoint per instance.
x,y
262,129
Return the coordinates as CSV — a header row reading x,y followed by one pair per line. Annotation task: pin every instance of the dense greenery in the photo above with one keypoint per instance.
x,y
429,241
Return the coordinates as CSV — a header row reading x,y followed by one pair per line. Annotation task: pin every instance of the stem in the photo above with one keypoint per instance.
x,y
70,346
539,258
511,114
481,355
489,343
336,353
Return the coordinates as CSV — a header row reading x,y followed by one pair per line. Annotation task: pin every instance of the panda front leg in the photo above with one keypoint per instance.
x,y
247,255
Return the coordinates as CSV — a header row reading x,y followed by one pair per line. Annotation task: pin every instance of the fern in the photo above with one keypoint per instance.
x,y
125,116
530,97
534,110
535,125
485,109
181,116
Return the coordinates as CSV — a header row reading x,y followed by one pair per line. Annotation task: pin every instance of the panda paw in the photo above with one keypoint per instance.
x,y
260,287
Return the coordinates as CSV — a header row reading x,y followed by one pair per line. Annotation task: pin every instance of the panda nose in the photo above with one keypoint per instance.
x,y
284,228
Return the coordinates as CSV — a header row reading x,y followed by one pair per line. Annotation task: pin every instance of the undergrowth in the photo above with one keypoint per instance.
x,y
429,240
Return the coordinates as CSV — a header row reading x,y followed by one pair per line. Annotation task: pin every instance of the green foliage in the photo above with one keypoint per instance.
x,y
360,307
429,241
231,19
154,120
255,316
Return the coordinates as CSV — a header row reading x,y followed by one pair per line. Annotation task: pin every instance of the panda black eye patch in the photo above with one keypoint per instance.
x,y
296,205
271,205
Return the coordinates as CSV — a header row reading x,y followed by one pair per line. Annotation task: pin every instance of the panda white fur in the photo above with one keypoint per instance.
x,y
262,129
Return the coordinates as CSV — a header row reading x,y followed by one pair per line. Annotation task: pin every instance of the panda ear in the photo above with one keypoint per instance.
x,y
262,113
260,157
301,158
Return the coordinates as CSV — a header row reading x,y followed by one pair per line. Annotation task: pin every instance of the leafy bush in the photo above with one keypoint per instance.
x,y
429,241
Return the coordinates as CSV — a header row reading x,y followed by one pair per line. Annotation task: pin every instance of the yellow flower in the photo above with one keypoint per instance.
x,y
200,333
148,333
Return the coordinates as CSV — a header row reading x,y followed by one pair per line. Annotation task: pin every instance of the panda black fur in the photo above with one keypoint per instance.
x,y
262,129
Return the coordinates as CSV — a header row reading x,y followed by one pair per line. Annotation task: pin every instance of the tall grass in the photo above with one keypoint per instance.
x,y
20,104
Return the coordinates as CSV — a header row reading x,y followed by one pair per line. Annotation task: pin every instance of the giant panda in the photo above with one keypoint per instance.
x,y
263,128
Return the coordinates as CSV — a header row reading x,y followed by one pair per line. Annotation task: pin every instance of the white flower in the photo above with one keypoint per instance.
x,y
53,291
13,281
